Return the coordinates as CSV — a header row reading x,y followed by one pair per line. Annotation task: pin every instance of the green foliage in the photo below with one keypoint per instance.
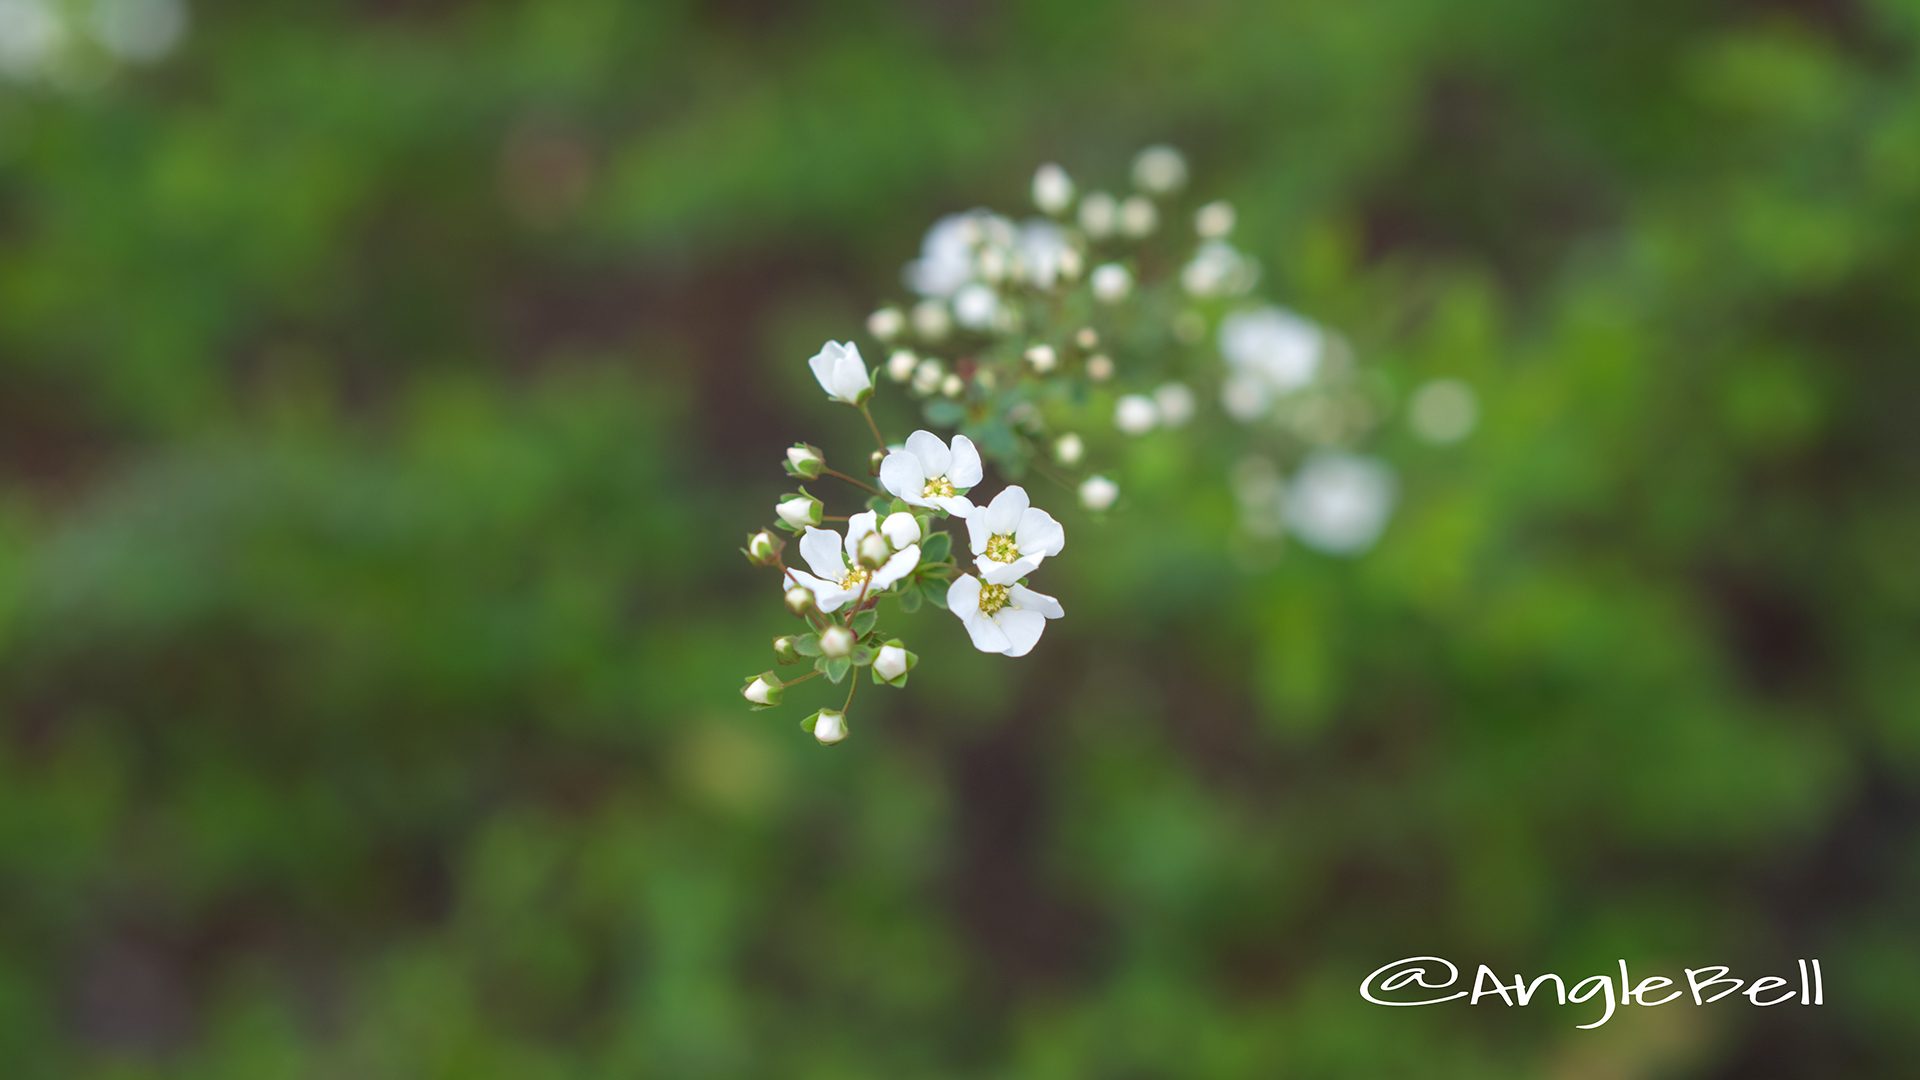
x,y
380,392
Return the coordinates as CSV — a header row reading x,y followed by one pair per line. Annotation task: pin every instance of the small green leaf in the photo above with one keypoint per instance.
x,y
880,504
936,548
863,622
807,644
863,655
910,600
837,669
936,592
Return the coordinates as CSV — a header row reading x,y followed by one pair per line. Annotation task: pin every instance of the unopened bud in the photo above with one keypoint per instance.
x,y
886,323
800,600
1099,367
762,690
1138,217
952,385
829,726
892,662
1042,359
805,461
1111,283
799,511
1214,220
873,462
900,364
836,642
931,320
1098,212
761,548
785,650
874,551
1097,493
1052,189
1068,449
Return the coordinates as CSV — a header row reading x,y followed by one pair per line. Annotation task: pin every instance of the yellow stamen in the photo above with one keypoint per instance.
x,y
1001,548
855,578
992,598
937,488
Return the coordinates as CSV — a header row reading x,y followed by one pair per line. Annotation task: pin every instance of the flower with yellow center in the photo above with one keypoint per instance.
x,y
1010,538
837,577
931,473
1004,619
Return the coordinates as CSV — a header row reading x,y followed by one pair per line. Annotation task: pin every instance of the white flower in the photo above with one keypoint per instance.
x,y
886,323
900,364
1443,411
1111,283
1098,212
901,529
1214,220
952,384
931,320
1218,269
1052,188
932,473
1097,493
1138,217
1045,254
1068,449
1042,358
950,256
1159,170
1272,345
1338,502
842,374
926,376
1175,402
1135,414
838,578
800,511
1099,367
1010,538
828,726
1004,619
975,306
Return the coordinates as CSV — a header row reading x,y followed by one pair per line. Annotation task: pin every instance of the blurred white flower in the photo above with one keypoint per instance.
x,y
946,259
1111,283
900,364
31,37
837,577
1269,352
1339,502
1443,411
1138,218
975,306
1005,619
1159,170
1174,400
1218,269
1097,493
1099,367
1044,254
1052,189
932,473
1214,220
1068,449
931,320
1041,358
1099,213
841,372
1011,538
886,323
139,30
1135,414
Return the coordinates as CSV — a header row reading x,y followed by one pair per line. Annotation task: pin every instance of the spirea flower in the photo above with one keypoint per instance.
x,y
1135,414
1099,213
837,577
932,473
1159,170
1010,537
1174,400
1068,449
1005,619
1338,502
886,323
1111,283
1270,351
1052,189
1098,493
1214,220
841,372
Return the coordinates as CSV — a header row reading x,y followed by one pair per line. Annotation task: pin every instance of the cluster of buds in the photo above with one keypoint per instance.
x,y
1103,317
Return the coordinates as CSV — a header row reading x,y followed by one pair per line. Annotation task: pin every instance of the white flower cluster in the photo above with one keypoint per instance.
x,y
1044,343
65,45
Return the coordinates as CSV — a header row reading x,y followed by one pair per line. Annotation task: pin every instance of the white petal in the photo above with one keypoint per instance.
x,y
957,505
901,529
822,365
901,475
831,596
897,567
933,454
964,471
977,531
821,550
1022,630
986,634
1003,513
1007,573
1039,534
1027,600
850,376
858,526
963,596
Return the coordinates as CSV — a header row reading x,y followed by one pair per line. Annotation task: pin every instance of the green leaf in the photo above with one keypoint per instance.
x,y
936,548
942,413
910,600
863,655
837,669
936,593
863,622
880,504
807,644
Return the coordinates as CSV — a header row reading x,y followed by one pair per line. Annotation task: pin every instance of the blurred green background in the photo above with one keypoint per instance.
x,y
386,387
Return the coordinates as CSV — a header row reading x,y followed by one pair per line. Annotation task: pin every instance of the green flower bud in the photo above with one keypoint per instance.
x,y
800,601
836,642
874,551
785,650
763,690
805,461
762,548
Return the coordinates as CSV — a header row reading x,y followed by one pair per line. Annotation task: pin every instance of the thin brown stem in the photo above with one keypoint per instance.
x,y
861,484
873,427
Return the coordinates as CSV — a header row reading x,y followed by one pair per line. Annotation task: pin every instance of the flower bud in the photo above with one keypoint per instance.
x,y
800,601
1042,359
1111,283
828,726
1099,367
1175,402
1214,220
1135,414
952,385
900,364
873,462
1138,218
892,662
931,321
1052,189
785,650
886,323
1159,170
874,551
1068,449
835,642
761,548
805,461
1097,213
1069,263
762,690
901,529
926,376
1097,493
1087,338
799,511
